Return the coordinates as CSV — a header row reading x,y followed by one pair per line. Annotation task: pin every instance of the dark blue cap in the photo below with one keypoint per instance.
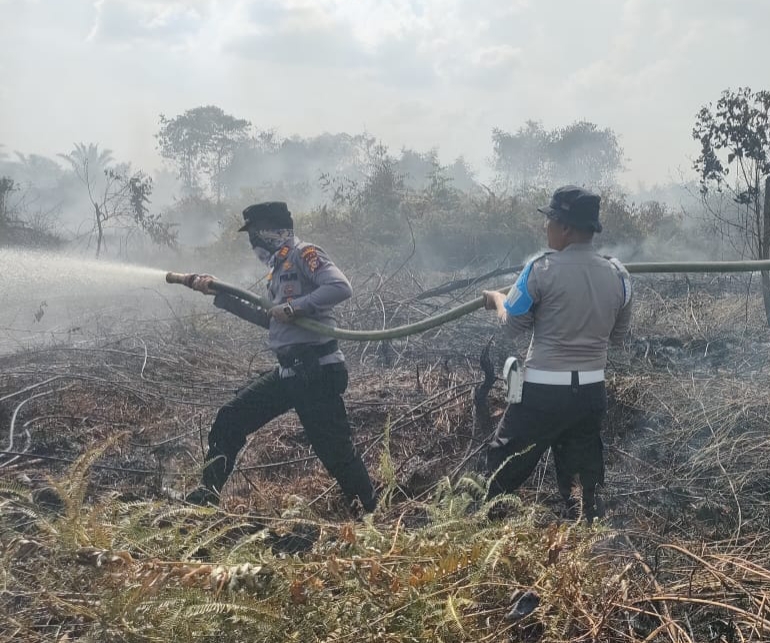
x,y
576,207
270,215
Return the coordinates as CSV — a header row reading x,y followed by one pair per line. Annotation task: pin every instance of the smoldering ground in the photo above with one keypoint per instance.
x,y
685,445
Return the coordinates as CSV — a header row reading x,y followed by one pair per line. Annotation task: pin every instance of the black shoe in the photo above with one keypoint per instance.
x,y
594,510
571,510
371,504
300,539
501,511
358,510
203,497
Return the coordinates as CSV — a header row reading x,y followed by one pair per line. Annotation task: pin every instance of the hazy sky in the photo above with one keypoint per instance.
x,y
420,73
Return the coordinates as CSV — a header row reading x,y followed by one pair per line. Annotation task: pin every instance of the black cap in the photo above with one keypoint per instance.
x,y
270,215
576,207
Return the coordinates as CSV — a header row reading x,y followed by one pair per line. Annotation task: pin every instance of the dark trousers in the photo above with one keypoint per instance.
x,y
321,410
566,418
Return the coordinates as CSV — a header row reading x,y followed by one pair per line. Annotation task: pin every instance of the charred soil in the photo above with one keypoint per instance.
x,y
100,436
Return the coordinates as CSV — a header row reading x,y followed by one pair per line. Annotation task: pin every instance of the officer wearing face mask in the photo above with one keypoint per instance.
x,y
311,375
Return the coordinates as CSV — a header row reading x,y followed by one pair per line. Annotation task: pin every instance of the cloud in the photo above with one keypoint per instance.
x,y
297,37
131,21
306,35
489,67
419,73
401,44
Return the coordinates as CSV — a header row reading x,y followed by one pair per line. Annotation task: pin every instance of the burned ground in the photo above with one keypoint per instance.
x,y
96,432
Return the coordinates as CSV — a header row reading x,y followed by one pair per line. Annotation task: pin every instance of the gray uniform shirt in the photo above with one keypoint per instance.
x,y
303,274
576,302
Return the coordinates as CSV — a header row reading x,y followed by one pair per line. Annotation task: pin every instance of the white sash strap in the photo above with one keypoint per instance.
x,y
561,378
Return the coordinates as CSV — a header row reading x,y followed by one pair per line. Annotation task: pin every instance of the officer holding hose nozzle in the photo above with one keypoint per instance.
x,y
575,302
311,376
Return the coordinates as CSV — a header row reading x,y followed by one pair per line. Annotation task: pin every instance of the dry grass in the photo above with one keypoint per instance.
x,y
93,550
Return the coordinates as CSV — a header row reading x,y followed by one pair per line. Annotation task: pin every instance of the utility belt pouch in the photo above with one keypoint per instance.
x,y
513,375
303,358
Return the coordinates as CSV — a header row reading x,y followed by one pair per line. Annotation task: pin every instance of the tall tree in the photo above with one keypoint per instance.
x,y
268,166
585,154
7,187
580,153
118,196
522,158
735,161
374,206
202,142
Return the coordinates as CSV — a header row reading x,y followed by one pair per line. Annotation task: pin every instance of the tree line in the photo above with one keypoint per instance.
x,y
220,161
353,185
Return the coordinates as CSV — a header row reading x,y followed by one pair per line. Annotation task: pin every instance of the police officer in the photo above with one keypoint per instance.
x,y
311,376
574,302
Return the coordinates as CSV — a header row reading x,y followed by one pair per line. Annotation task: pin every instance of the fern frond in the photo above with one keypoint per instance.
x,y
251,613
473,483
451,524
72,488
454,617
242,542
171,514
11,488
493,553
204,535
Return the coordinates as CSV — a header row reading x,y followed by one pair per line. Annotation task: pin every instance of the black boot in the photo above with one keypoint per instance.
x,y
371,504
203,497
215,474
571,509
356,485
593,507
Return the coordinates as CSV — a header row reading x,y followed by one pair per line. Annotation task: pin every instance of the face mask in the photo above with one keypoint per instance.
x,y
271,240
263,255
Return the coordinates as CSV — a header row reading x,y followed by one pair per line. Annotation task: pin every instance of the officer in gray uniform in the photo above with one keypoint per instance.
x,y
311,376
574,302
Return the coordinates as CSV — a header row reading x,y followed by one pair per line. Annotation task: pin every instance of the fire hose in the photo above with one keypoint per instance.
x,y
463,309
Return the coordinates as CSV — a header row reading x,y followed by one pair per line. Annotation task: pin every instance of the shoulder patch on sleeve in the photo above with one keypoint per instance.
x,y
519,302
625,279
313,257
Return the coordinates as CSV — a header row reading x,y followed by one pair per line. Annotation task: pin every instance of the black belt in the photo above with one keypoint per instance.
x,y
288,356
